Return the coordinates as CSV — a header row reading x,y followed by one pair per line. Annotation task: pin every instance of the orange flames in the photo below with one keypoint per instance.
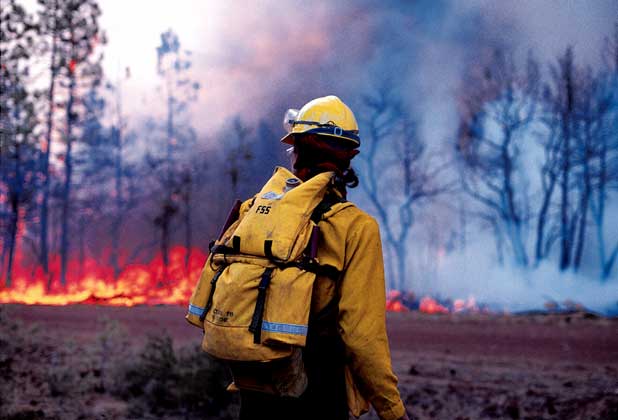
x,y
91,282
431,306
136,284
397,301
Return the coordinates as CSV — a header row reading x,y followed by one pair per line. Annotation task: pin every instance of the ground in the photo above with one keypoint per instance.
x,y
61,362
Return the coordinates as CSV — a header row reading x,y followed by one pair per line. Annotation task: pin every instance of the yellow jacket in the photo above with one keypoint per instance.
x,y
350,241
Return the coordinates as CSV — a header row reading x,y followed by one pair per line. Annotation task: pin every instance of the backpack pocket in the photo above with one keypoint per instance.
x,y
201,293
258,313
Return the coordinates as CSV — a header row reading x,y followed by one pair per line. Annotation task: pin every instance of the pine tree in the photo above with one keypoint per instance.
x,y
75,68
176,180
18,150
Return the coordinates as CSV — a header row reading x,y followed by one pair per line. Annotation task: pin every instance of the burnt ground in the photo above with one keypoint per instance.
x,y
474,366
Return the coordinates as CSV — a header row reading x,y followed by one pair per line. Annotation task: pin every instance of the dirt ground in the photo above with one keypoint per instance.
x,y
541,366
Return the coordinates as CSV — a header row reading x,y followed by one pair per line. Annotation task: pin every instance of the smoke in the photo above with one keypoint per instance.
x,y
256,59
474,272
259,59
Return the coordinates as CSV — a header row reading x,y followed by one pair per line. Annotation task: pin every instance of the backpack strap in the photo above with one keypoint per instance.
x,y
258,313
319,269
330,199
213,286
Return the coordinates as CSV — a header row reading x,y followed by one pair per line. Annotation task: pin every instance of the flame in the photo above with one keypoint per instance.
x,y
92,282
431,306
136,284
468,305
397,301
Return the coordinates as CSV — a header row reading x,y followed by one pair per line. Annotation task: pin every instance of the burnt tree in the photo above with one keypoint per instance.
x,y
605,166
18,145
176,180
396,172
498,109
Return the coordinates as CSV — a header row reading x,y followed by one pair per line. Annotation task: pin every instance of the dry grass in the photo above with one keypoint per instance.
x,y
46,376
93,362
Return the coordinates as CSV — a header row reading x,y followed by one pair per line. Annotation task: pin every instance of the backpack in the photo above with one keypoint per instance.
x,y
253,297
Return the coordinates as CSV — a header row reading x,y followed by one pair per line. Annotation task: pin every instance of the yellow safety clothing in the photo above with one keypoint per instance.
x,y
350,241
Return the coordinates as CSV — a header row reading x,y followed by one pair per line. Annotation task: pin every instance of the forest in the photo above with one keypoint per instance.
x,y
528,171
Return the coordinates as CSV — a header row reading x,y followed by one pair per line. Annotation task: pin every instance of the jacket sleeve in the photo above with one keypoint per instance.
x,y
362,320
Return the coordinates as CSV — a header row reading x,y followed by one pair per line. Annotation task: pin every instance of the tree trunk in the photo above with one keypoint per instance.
x,y
499,242
15,197
115,248
170,136
390,270
583,216
82,247
14,220
542,222
607,267
165,241
521,257
463,226
12,245
188,232
565,224
118,217
44,211
66,195
400,250
5,251
565,246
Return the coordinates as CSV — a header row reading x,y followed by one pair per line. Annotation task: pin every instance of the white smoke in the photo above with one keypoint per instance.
x,y
474,272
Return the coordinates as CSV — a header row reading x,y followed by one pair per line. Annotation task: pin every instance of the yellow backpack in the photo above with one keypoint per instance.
x,y
254,294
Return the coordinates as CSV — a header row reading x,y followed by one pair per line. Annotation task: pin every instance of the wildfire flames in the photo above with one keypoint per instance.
x,y
90,282
136,284
397,301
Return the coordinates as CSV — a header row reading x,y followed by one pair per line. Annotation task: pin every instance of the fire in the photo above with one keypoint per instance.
x,y
136,284
91,282
397,301
431,306
469,305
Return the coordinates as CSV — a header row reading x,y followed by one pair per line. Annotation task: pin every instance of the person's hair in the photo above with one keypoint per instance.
x,y
317,154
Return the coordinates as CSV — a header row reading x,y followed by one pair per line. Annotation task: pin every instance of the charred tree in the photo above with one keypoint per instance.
x,y
605,167
498,109
107,167
589,117
81,70
187,197
49,19
164,221
18,152
122,170
396,188
566,89
173,65
238,153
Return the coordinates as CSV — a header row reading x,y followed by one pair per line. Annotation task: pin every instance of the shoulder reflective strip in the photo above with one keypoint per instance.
x,y
284,328
195,310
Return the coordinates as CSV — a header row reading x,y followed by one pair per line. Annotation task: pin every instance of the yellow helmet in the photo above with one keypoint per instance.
x,y
326,116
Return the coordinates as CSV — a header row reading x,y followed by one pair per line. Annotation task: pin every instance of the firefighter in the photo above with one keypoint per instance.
x,y
346,358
